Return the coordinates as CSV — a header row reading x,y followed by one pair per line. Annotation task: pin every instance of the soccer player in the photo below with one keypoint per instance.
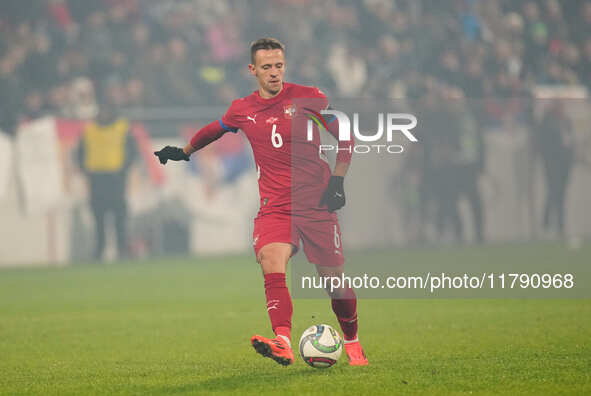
x,y
298,193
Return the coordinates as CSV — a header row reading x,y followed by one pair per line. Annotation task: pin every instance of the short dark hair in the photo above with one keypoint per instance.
x,y
265,43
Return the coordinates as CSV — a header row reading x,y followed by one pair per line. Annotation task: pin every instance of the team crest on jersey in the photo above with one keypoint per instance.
x,y
271,120
289,111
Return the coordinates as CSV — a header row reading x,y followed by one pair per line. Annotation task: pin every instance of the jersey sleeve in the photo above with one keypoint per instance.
x,y
207,135
345,148
229,121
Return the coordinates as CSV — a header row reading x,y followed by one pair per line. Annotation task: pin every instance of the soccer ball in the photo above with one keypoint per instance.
x,y
321,346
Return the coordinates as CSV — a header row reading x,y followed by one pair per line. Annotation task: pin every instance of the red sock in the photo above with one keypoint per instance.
x,y
279,305
346,311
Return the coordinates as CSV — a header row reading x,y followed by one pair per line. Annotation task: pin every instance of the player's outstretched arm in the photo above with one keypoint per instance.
x,y
202,138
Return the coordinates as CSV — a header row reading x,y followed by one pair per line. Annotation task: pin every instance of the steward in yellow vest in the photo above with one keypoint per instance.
x,y
105,146
105,155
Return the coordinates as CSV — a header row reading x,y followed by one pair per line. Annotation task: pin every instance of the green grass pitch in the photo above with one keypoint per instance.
x,y
181,326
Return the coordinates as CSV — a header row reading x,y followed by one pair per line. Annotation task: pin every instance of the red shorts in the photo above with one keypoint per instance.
x,y
319,232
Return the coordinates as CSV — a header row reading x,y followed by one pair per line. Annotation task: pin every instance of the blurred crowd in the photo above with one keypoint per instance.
x,y
192,52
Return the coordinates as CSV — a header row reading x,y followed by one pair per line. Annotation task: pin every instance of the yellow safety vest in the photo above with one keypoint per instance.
x,y
105,146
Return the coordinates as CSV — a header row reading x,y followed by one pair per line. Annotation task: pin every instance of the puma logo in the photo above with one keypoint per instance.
x,y
253,118
273,304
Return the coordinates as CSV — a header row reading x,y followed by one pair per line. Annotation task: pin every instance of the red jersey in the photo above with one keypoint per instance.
x,y
292,173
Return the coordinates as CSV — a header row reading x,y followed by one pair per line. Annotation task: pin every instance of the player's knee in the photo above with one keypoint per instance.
x,y
271,263
336,290
341,293
272,260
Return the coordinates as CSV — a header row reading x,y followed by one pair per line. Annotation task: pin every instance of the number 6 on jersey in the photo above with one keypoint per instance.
x,y
276,139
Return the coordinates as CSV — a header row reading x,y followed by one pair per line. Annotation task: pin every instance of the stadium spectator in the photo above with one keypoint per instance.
x,y
534,41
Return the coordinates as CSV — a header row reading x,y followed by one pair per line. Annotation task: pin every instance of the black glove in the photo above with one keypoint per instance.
x,y
171,153
334,195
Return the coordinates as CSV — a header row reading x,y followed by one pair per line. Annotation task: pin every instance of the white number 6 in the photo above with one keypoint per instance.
x,y
337,239
276,139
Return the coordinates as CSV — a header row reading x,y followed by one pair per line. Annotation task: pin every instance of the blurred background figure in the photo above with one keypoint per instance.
x,y
469,165
555,144
105,155
452,159
443,153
